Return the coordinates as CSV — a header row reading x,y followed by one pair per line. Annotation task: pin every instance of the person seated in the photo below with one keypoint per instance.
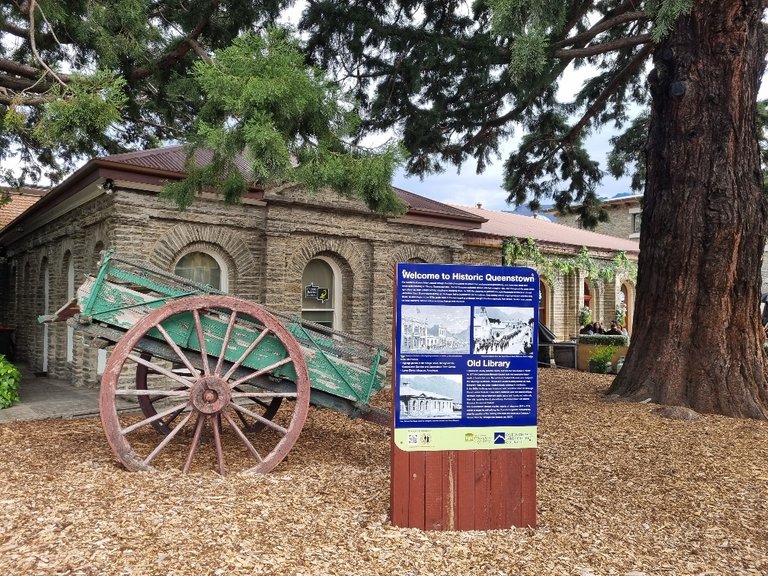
x,y
597,328
586,330
614,329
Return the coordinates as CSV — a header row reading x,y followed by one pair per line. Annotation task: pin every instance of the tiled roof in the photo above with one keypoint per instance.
x,y
172,159
20,200
507,225
426,205
169,159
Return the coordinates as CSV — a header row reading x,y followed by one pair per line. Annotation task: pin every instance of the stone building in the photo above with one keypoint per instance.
x,y
326,257
624,214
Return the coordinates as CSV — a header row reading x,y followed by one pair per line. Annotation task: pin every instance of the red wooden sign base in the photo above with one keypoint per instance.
x,y
463,489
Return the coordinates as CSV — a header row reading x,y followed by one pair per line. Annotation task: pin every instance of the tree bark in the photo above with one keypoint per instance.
x,y
697,338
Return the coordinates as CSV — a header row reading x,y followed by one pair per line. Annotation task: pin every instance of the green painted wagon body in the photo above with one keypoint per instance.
x,y
340,366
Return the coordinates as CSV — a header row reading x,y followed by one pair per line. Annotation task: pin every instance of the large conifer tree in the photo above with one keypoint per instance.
x,y
85,78
458,83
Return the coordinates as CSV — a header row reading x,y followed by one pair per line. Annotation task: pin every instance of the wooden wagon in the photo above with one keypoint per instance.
x,y
203,368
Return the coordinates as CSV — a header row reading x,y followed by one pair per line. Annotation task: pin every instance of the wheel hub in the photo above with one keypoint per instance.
x,y
210,394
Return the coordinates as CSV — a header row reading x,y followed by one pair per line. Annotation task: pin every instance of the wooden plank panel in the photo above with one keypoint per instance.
x,y
482,489
400,486
434,495
500,464
528,516
465,493
416,505
514,488
450,489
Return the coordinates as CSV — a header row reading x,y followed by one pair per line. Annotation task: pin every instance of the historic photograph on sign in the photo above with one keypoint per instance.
x,y
430,396
503,331
435,329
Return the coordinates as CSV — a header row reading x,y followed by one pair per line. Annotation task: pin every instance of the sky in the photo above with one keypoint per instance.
x,y
469,188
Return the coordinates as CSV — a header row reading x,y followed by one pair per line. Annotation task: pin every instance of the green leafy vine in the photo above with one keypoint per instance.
x,y
550,268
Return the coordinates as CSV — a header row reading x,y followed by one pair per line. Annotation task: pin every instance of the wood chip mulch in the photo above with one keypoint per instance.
x,y
622,489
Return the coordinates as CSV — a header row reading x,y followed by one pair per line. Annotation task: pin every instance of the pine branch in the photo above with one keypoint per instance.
x,y
616,81
33,45
182,48
601,27
572,53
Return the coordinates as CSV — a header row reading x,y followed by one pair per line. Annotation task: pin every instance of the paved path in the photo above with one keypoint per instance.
x,y
43,397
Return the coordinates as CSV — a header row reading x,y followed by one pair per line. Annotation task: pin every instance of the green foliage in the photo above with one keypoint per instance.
x,y
10,377
131,86
262,104
458,84
585,315
604,339
550,268
666,13
628,155
90,105
600,358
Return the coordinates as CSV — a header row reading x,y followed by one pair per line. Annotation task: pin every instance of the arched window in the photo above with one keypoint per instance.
x,y
321,292
587,294
203,268
624,299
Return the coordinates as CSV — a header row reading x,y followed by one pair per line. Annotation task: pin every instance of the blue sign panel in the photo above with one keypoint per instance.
x,y
465,357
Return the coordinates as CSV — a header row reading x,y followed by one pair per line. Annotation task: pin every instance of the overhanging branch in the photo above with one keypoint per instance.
x,y
572,53
601,27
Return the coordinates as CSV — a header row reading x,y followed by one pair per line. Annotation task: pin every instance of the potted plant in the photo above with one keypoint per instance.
x,y
600,359
621,313
585,315
9,383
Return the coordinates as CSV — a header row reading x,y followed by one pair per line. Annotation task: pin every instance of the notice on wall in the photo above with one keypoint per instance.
x,y
466,340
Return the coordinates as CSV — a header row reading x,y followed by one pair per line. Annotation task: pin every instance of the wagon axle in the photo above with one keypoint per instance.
x,y
210,394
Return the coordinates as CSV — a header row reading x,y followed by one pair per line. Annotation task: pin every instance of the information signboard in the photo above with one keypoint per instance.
x,y
464,397
466,340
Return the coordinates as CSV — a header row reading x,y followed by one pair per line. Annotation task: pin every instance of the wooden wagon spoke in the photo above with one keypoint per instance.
x,y
267,395
261,419
183,357
167,439
207,395
195,442
225,342
154,393
250,447
217,441
245,354
201,341
132,427
160,370
263,371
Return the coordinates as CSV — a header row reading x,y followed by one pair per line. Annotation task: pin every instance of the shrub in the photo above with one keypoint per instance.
x,y
604,339
9,383
600,358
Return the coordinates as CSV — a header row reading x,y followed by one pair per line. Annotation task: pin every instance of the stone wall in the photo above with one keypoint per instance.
x,y
264,247
619,223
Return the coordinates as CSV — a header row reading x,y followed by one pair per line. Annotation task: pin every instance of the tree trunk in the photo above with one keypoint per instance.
x,y
697,338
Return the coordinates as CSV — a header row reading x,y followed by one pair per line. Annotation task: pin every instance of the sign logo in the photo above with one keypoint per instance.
x,y
499,437
317,292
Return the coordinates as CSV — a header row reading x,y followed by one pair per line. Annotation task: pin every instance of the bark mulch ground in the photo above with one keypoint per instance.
x,y
622,490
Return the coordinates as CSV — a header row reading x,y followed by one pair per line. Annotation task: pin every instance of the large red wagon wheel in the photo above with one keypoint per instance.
x,y
149,403
209,396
